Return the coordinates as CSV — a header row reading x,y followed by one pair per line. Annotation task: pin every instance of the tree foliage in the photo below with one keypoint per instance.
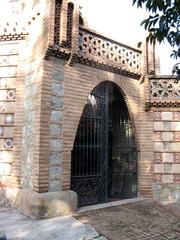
x,y
163,23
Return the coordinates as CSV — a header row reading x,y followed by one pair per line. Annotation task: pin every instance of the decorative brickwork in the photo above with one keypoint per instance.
x,y
57,22
45,81
166,155
69,24
164,92
8,73
100,49
164,89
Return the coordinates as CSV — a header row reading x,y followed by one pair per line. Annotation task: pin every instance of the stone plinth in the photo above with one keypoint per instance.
x,y
49,204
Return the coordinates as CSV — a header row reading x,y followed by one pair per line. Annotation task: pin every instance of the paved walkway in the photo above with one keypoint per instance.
x,y
18,227
136,220
142,220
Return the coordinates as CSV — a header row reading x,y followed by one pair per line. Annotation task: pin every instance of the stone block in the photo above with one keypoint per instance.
x,y
57,89
55,172
30,129
30,116
31,78
56,131
167,136
8,71
30,91
175,147
56,116
158,126
176,194
6,156
166,116
168,157
167,194
49,204
58,75
158,168
58,63
158,147
157,190
166,146
54,185
55,158
167,168
57,102
8,132
56,145
5,168
172,126
166,126
167,179
27,183
176,168
30,104
3,94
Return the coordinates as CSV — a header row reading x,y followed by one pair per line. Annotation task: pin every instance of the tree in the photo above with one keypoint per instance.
x,y
163,23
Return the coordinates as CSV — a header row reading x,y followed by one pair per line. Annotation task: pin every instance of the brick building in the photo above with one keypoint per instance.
x,y
84,119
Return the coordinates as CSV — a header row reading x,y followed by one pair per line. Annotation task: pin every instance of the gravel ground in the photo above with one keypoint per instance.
x,y
145,220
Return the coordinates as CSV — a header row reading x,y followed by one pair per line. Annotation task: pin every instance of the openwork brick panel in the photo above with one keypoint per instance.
x,y
69,24
57,21
168,89
103,50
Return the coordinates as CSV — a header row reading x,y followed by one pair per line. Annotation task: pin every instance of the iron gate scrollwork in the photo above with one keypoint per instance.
x,y
104,156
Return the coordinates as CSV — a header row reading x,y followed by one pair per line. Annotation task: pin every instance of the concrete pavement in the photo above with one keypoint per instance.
x,y
18,227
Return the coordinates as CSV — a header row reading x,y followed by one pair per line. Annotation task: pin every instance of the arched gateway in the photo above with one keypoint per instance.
x,y
104,156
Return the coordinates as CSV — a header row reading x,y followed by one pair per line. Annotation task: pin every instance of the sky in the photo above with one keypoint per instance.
x,y
120,21
116,19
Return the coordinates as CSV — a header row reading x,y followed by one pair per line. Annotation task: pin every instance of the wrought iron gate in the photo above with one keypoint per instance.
x,y
104,156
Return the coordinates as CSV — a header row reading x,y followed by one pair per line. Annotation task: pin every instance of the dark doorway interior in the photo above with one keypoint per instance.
x,y
104,156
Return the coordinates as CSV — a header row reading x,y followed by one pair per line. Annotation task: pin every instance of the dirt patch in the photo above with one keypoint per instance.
x,y
145,220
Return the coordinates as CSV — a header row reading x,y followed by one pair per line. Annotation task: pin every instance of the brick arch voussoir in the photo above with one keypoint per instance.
x,y
123,88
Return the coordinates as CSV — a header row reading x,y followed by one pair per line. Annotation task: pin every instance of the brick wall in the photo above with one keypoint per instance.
x,y
79,82
42,98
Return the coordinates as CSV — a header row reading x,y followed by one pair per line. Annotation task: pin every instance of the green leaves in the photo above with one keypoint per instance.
x,y
163,23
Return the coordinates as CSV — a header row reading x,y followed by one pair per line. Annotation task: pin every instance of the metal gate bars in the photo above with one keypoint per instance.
x,y
104,156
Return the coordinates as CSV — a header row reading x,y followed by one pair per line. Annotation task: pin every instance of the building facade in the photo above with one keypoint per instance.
x,y
84,119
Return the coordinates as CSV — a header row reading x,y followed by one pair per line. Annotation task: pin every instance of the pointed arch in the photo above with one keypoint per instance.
x,y
104,155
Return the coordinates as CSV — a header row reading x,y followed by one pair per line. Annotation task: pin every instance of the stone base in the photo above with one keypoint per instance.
x,y
44,205
8,197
